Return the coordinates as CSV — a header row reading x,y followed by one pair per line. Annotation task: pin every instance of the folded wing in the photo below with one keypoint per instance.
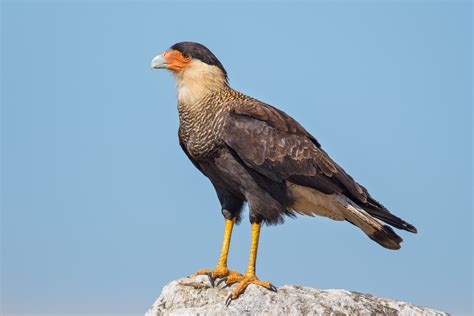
x,y
275,145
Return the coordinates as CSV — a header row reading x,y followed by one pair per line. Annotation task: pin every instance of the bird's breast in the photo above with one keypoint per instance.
x,y
200,131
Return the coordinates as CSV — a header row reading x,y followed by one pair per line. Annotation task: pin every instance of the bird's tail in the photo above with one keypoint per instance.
x,y
377,210
382,234
338,207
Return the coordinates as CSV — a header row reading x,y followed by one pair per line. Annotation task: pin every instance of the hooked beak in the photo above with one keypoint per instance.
x,y
159,62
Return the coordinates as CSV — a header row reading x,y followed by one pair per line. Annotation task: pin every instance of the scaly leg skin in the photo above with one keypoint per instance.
x,y
221,271
249,277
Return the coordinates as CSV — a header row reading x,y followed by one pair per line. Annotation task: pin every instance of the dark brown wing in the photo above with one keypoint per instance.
x,y
274,144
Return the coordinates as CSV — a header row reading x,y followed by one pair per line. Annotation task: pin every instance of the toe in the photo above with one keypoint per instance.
x,y
265,284
233,278
202,272
244,282
225,275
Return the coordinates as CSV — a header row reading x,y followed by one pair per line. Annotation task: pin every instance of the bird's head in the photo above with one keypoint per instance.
x,y
184,55
196,68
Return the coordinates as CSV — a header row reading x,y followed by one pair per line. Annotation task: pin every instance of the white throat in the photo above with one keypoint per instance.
x,y
197,80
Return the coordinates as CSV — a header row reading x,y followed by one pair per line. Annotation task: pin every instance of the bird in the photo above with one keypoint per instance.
x,y
256,154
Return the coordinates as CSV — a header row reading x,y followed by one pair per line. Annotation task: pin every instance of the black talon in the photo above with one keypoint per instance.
x,y
209,275
228,299
273,288
221,280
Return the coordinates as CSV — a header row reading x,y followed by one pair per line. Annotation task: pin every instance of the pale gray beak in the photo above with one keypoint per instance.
x,y
159,62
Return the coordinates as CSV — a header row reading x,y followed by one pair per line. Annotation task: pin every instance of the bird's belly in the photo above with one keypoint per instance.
x,y
309,201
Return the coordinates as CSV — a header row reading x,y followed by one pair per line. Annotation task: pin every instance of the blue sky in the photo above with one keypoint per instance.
x,y
100,208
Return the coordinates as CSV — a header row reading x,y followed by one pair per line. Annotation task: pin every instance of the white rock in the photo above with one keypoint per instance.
x,y
195,296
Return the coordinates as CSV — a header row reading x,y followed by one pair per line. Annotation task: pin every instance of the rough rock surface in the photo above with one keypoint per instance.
x,y
195,296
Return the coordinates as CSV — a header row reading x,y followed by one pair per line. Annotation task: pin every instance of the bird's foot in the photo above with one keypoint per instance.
x,y
244,281
219,273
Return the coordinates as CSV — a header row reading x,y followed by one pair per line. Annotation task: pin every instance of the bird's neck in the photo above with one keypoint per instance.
x,y
197,81
201,121
202,112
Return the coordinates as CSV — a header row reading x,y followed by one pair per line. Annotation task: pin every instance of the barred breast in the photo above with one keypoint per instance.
x,y
201,122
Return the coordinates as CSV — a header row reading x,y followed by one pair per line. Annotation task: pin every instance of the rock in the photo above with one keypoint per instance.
x,y
195,296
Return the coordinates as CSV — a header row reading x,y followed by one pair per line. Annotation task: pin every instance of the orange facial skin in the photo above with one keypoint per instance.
x,y
175,60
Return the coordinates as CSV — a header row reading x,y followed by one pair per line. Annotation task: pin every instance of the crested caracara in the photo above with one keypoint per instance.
x,y
255,153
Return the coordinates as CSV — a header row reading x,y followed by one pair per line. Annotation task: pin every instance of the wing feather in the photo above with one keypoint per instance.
x,y
274,144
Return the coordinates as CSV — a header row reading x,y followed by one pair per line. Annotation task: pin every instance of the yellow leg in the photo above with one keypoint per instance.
x,y
253,250
221,270
229,224
249,277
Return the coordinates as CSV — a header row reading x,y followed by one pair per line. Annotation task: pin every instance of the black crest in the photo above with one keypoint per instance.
x,y
199,51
